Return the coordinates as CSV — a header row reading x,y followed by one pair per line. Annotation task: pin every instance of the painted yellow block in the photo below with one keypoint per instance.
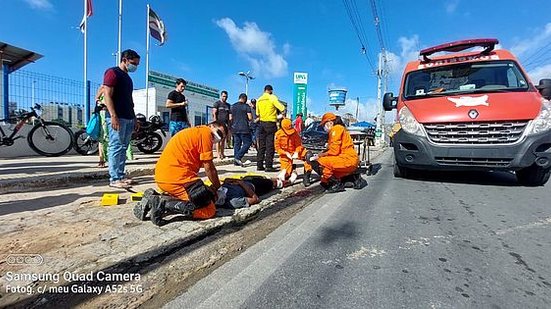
x,y
136,197
109,199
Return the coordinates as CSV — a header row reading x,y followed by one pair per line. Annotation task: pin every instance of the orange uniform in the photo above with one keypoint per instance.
x,y
288,140
180,163
341,159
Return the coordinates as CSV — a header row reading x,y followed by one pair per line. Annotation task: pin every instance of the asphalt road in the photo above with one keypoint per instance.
x,y
442,241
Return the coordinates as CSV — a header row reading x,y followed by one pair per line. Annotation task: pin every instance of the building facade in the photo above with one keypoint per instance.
x,y
201,98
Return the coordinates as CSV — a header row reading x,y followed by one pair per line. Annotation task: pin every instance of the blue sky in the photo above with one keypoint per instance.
x,y
210,41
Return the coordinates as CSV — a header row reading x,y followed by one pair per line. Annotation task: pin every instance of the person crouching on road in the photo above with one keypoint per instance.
x,y
339,163
176,173
289,147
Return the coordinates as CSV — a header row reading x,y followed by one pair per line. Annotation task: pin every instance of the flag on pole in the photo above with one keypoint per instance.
x,y
88,12
157,27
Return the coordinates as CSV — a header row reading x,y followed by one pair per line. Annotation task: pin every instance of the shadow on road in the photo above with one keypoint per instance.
x,y
476,178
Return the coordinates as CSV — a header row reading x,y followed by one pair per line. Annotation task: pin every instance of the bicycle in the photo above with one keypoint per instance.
x,y
47,138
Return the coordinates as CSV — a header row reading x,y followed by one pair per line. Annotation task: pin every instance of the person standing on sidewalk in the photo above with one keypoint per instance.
x,y
254,123
177,103
299,124
267,108
221,112
240,117
121,119
177,174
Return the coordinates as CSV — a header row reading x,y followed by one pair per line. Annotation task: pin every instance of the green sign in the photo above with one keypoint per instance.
x,y
170,81
299,93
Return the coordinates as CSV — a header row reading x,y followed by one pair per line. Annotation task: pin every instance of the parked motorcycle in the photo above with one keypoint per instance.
x,y
147,139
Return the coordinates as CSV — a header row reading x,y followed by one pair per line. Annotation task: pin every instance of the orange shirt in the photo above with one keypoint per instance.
x,y
182,157
286,143
340,143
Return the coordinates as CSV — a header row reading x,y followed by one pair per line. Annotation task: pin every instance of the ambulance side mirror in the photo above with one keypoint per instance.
x,y
544,88
389,101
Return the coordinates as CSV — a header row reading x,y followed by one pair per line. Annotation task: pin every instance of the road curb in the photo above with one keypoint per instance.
x,y
31,183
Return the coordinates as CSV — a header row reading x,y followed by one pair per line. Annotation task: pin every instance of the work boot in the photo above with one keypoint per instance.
x,y
144,205
175,206
157,210
359,182
306,178
335,185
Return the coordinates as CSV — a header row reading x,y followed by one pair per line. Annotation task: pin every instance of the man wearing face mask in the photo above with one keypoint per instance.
x,y
121,119
339,162
177,174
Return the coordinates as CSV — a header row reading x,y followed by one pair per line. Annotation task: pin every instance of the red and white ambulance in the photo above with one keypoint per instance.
x,y
472,110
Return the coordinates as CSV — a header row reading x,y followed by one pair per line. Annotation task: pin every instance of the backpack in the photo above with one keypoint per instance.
x,y
93,128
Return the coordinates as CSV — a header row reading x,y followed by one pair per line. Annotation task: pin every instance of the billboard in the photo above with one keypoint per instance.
x,y
299,93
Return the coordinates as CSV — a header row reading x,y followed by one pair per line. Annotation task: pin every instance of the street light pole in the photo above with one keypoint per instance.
x,y
248,77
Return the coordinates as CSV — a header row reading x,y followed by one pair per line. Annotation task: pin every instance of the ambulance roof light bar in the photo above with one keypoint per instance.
x,y
457,46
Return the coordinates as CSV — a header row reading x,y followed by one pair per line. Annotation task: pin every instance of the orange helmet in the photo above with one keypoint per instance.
x,y
287,126
327,117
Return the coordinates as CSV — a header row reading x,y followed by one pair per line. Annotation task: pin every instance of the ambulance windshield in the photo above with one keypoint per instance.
x,y
473,77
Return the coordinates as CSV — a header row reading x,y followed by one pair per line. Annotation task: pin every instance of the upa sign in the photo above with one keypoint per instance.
x,y
299,93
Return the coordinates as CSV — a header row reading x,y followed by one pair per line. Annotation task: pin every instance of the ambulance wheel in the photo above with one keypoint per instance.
x,y
533,176
401,172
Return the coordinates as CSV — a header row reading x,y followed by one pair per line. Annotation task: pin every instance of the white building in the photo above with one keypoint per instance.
x,y
201,98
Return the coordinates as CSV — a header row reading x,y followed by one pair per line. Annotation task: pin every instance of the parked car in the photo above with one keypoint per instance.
x,y
315,138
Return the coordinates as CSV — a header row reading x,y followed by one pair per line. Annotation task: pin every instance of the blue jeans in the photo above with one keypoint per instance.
x,y
177,126
241,144
118,144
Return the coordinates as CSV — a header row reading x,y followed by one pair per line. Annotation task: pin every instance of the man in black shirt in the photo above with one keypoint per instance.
x,y
240,116
177,103
221,112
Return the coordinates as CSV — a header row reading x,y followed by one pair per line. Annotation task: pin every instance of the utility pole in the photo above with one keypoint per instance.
x,y
357,108
379,132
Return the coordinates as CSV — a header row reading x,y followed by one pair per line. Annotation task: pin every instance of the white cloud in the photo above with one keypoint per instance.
x,y
451,6
535,41
45,5
409,50
367,108
257,47
541,72
286,49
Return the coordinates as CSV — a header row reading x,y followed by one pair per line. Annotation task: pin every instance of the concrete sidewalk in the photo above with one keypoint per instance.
x,y
64,224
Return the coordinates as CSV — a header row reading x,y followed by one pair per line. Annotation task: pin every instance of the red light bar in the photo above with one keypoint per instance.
x,y
457,46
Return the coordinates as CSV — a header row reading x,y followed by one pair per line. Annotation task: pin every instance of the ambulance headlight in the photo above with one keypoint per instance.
x,y
542,123
409,123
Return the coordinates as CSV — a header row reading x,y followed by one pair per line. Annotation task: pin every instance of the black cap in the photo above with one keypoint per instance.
x,y
268,87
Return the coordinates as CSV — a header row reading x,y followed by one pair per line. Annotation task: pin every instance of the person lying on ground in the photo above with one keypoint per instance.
x,y
241,193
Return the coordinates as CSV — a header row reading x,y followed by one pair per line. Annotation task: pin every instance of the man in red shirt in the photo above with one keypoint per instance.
x,y
121,119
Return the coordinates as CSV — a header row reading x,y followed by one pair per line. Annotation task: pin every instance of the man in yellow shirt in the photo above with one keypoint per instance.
x,y
267,107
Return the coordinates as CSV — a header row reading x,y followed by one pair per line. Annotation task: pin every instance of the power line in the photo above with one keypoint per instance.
x,y
529,59
355,20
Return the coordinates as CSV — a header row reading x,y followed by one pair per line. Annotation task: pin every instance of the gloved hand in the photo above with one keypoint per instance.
x,y
314,157
289,155
295,155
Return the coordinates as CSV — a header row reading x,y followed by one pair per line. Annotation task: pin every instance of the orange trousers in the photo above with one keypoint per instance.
x,y
179,192
337,166
287,164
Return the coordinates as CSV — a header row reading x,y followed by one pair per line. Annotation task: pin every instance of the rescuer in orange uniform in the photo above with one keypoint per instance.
x,y
289,147
339,163
176,173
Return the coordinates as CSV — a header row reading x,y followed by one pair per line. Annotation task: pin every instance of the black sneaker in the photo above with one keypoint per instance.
x,y
144,205
306,179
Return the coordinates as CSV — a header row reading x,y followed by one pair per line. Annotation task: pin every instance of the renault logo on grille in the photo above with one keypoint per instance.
x,y
473,114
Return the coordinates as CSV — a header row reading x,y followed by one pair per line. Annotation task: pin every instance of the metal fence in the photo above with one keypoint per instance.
x,y
62,99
